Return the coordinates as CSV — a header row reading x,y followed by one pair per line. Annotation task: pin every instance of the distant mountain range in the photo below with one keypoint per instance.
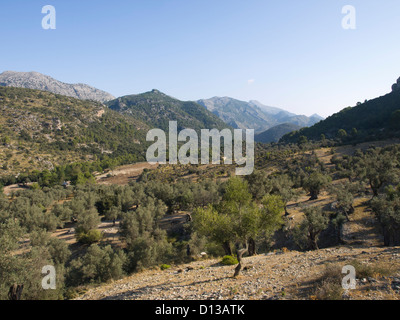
x,y
38,81
156,109
253,114
275,133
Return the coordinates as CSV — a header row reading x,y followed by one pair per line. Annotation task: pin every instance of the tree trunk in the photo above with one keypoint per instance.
x,y
240,254
375,189
348,212
339,235
15,292
252,247
347,215
227,248
313,241
314,195
286,212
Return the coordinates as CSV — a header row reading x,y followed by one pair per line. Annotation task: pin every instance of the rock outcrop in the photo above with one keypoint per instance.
x,y
38,81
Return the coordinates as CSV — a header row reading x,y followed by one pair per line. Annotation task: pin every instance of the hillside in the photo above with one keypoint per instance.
x,y
238,114
39,130
36,80
253,114
275,133
156,109
277,275
374,119
281,274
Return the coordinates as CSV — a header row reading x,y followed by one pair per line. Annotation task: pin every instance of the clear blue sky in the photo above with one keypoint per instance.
x,y
288,53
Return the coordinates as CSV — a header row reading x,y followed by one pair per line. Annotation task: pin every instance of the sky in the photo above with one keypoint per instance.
x,y
285,53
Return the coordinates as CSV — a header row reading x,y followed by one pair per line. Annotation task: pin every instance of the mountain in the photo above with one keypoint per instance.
x,y
374,119
317,117
253,114
270,110
35,80
275,133
238,114
156,109
40,130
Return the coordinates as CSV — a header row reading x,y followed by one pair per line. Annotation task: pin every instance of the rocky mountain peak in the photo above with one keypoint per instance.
x,y
38,81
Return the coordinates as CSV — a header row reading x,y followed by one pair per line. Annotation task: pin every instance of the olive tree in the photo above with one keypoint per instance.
x,y
238,219
307,233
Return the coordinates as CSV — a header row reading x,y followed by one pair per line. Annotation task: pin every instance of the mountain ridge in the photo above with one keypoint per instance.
x,y
253,114
157,108
377,118
274,134
39,81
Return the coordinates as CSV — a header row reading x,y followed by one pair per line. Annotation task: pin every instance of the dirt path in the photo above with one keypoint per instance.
x,y
124,174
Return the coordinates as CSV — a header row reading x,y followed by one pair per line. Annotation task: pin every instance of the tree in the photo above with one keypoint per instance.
x,y
387,210
344,198
307,233
342,134
88,221
99,264
217,227
302,141
315,183
237,219
147,244
259,184
283,186
378,167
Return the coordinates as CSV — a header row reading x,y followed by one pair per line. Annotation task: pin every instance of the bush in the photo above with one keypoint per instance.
x,y
165,266
99,264
89,237
229,261
371,270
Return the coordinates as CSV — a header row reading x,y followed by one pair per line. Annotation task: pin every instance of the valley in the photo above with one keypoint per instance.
x,y
77,193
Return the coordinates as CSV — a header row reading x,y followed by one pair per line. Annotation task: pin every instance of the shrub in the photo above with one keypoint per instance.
x,y
229,260
370,270
165,266
99,264
89,237
329,286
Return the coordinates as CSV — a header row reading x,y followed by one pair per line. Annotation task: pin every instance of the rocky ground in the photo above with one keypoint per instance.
x,y
276,275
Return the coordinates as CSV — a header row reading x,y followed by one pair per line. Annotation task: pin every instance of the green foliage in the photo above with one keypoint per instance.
x,y
145,106
43,123
165,267
99,264
387,210
229,261
87,220
306,234
283,186
26,268
147,245
237,218
315,182
89,237
373,120
259,184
